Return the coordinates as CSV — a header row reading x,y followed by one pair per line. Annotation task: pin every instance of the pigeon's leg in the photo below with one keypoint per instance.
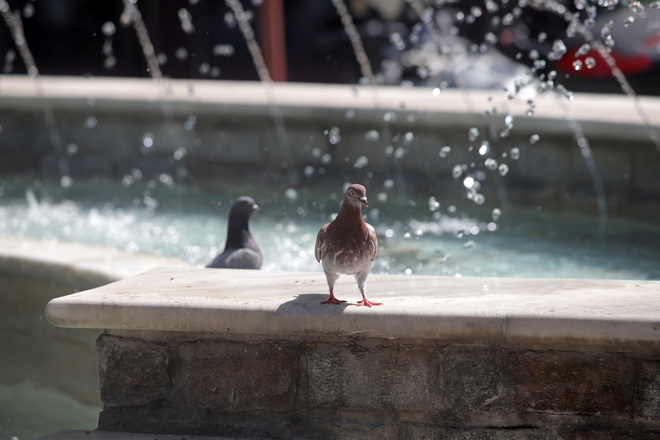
x,y
362,285
332,277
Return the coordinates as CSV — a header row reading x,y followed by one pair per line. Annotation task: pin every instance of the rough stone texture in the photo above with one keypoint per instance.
x,y
470,377
418,432
242,377
132,373
571,382
649,398
368,388
585,434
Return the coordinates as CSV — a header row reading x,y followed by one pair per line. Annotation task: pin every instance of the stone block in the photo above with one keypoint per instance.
x,y
648,404
325,372
132,372
425,432
589,434
224,376
471,378
386,379
571,382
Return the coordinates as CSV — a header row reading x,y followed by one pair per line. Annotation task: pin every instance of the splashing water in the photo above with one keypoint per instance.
x,y
264,75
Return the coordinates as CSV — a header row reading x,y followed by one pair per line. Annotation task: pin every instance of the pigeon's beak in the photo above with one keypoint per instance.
x,y
255,208
363,200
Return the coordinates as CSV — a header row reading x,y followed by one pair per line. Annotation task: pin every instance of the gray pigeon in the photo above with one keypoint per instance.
x,y
241,251
348,245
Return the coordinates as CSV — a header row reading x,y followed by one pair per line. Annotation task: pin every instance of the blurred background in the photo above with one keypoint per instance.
x,y
200,39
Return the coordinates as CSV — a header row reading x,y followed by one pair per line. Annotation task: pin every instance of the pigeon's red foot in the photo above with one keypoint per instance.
x,y
366,302
333,300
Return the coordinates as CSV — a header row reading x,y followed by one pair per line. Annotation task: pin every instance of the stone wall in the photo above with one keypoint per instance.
x,y
326,387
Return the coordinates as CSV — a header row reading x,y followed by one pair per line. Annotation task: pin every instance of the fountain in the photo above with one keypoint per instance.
x,y
406,372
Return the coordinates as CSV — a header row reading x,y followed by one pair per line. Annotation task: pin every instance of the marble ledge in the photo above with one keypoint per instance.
x,y
418,307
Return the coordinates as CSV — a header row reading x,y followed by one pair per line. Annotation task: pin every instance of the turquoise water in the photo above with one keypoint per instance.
x,y
189,222
417,237
28,410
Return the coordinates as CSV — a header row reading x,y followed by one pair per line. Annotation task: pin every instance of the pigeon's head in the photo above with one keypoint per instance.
x,y
245,206
356,195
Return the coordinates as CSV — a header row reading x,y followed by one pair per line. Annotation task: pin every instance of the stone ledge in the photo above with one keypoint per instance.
x,y
288,303
70,434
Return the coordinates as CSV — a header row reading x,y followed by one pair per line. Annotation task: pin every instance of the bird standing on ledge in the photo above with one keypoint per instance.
x,y
241,251
348,245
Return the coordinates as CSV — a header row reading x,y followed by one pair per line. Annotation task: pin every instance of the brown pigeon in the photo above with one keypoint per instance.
x,y
348,245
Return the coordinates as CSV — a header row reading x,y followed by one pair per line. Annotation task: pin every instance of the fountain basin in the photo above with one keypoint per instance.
x,y
251,353
50,375
233,134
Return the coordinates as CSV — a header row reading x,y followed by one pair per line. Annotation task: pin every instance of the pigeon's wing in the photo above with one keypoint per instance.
x,y
321,245
243,258
373,241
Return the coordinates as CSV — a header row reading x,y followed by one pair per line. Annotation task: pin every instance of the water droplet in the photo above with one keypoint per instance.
x,y
28,10
584,49
190,123
109,62
148,140
108,29
399,152
484,148
542,37
567,93
334,135
372,136
457,171
390,116
436,92
479,199
350,114
590,63
503,169
473,134
308,171
492,226
496,214
534,139
225,50
179,153
577,65
66,181
468,182
515,153
181,54
508,120
291,195
408,138
490,163
388,184
444,151
433,204
186,21
71,149
361,162
90,122
204,68
558,50
127,180
381,197
326,159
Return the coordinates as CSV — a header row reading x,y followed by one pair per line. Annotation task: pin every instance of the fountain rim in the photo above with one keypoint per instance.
x,y
600,115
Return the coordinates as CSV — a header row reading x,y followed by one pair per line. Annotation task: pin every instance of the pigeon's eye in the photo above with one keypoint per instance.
x,y
247,203
352,192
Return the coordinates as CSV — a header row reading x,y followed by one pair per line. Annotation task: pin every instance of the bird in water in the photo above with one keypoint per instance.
x,y
348,245
241,251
